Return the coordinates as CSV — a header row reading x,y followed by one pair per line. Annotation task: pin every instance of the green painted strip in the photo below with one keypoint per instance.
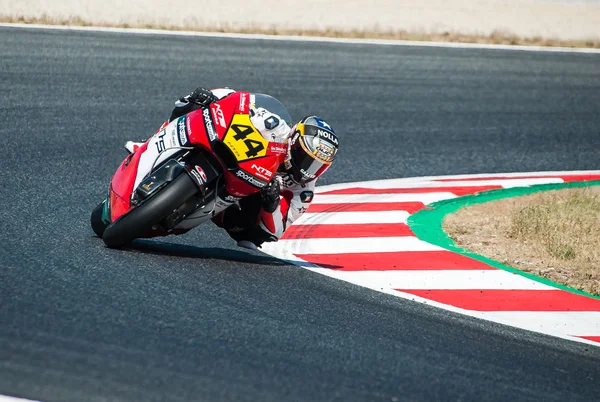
x,y
426,224
106,211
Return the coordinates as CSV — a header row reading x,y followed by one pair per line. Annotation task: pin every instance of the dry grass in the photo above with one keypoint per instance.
x,y
554,234
496,37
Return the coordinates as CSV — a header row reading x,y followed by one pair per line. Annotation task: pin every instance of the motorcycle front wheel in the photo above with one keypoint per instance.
x,y
98,226
151,212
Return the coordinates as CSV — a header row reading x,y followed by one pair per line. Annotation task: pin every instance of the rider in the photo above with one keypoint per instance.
x,y
312,145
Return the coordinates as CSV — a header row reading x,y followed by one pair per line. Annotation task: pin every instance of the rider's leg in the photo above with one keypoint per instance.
x,y
241,222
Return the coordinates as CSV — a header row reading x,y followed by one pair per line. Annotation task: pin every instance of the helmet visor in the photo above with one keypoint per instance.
x,y
304,166
310,154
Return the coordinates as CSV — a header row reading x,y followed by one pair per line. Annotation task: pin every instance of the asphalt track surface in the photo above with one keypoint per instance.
x,y
194,318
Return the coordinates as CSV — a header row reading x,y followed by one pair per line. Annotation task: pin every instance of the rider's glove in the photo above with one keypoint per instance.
x,y
199,98
269,195
202,97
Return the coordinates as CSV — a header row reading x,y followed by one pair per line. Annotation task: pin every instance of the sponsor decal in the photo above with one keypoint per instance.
x,y
237,194
148,186
201,172
328,136
189,127
231,198
173,141
323,124
160,141
243,102
324,152
306,196
198,173
218,115
306,174
325,149
197,177
271,122
181,131
221,203
277,148
208,124
227,200
262,172
248,178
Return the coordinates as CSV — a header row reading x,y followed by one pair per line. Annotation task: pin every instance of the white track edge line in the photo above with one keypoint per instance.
x,y
292,38
454,279
337,186
6,398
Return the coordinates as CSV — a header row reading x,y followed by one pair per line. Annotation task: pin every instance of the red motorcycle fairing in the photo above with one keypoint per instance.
x,y
224,129
249,160
121,185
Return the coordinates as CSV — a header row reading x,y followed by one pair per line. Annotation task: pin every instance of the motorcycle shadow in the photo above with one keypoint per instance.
x,y
186,251
216,253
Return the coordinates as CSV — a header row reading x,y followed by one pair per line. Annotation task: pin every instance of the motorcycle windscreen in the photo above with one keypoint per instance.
x,y
272,105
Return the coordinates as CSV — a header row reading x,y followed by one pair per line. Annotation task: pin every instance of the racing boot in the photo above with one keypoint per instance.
x,y
247,244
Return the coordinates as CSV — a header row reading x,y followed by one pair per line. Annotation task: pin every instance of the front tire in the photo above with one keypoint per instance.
x,y
141,219
98,226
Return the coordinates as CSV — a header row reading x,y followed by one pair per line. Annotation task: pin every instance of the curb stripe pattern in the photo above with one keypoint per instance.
x,y
410,207
349,230
358,232
406,261
511,299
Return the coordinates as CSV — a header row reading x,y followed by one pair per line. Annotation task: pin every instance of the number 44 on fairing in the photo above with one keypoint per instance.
x,y
244,140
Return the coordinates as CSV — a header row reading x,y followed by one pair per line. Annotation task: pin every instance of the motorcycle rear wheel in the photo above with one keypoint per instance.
x,y
151,212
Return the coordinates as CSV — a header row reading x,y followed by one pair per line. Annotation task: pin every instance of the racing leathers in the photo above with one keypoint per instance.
x,y
266,215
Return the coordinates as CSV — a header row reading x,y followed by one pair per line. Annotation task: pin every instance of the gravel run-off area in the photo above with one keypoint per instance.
x,y
564,20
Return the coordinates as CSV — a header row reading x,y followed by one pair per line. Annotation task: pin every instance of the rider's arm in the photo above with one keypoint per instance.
x,y
199,98
293,203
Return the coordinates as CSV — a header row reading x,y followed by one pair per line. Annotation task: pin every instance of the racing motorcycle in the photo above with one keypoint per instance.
x,y
190,170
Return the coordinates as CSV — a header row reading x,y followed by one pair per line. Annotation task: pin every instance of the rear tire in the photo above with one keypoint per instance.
x,y
141,219
98,226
